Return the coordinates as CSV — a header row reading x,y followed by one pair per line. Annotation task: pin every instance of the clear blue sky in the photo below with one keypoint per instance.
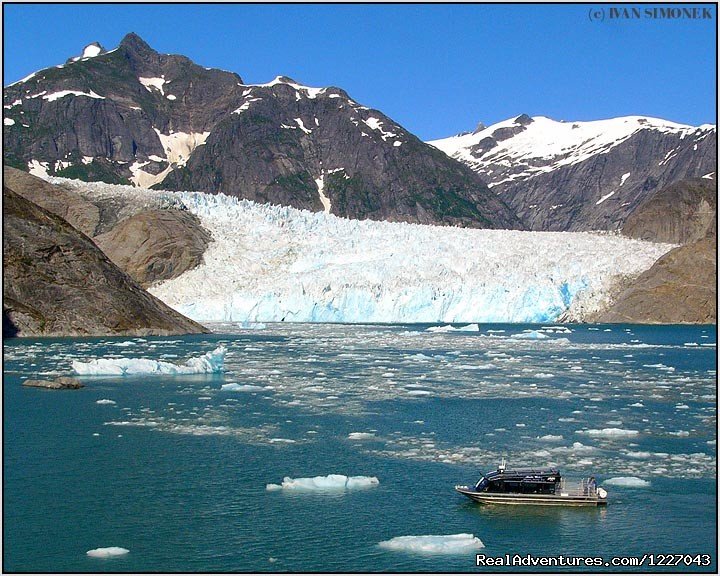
x,y
435,69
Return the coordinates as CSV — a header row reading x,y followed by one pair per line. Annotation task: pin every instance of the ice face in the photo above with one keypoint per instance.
x,y
447,544
205,364
271,263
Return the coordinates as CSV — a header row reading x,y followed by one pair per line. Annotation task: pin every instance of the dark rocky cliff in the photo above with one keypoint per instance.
x,y
57,282
681,287
148,240
681,213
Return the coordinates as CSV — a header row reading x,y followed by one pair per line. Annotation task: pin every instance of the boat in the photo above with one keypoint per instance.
x,y
535,486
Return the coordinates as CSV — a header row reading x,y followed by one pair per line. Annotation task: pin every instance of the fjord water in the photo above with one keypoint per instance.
x,y
175,469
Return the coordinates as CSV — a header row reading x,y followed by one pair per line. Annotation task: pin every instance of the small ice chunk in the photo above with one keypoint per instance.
x,y
551,438
609,432
627,481
530,335
446,544
235,387
105,401
450,328
361,436
107,552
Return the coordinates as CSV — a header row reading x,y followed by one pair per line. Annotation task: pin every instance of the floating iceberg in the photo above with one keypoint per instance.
x,y
104,401
551,438
107,552
361,436
235,387
627,481
530,335
331,482
206,364
609,432
448,544
449,328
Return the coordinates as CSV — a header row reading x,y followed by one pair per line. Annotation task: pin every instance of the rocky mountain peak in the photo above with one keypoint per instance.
x,y
523,120
133,44
284,80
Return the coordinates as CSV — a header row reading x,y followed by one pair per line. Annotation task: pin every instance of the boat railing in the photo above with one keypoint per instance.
x,y
584,487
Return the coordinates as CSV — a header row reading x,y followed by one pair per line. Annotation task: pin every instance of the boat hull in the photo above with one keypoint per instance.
x,y
531,499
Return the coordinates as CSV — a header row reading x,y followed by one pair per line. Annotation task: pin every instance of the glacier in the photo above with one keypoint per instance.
x,y
271,263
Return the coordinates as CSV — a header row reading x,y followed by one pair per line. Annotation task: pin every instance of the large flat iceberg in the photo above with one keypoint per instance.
x,y
446,544
331,482
271,263
206,364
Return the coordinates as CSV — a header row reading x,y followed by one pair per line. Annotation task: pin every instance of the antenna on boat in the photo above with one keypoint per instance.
x,y
501,468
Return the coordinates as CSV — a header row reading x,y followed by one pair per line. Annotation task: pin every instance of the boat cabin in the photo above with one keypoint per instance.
x,y
520,481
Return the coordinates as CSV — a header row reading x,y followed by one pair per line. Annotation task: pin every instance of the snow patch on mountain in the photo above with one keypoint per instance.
x,y
308,91
61,94
179,145
151,83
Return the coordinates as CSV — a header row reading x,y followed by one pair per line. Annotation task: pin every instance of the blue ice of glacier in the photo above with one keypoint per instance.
x,y
206,364
271,263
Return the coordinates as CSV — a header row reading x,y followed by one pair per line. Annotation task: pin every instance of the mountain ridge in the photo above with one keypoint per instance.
x,y
133,115
561,175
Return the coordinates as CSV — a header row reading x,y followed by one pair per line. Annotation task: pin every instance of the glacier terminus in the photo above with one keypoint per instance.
x,y
269,263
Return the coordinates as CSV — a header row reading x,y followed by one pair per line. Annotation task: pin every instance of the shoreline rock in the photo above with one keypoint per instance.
x,y
61,383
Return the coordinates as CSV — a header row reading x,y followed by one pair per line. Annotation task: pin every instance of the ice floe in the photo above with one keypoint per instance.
x,y
109,552
627,481
235,387
361,436
450,328
609,432
331,482
208,363
445,544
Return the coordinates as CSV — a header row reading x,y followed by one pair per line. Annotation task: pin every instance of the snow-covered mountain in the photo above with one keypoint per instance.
x,y
132,115
272,263
583,175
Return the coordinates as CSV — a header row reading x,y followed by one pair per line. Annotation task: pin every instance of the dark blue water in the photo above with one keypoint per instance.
x,y
176,469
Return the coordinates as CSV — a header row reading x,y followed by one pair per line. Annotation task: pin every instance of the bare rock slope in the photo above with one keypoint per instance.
x,y
57,282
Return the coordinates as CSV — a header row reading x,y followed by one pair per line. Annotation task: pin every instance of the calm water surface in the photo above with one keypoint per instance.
x,y
175,469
